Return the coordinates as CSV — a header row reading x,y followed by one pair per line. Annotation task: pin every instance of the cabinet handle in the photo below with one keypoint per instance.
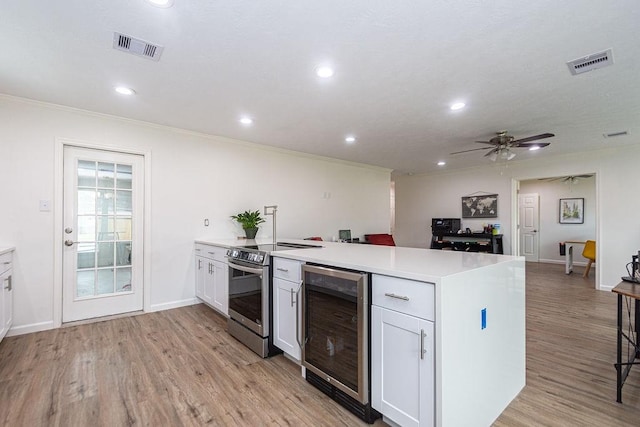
x,y
397,296
212,253
199,264
7,262
298,317
292,301
422,349
282,269
8,287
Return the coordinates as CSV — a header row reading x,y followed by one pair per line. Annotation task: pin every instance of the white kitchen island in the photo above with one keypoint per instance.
x,y
476,313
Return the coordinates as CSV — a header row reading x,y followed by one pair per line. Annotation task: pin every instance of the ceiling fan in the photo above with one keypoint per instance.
x,y
569,179
503,143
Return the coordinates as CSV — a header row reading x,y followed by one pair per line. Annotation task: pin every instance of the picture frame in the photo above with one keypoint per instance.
x,y
484,206
571,211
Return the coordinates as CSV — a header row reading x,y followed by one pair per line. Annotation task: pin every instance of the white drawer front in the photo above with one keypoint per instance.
x,y
404,296
5,262
287,269
213,252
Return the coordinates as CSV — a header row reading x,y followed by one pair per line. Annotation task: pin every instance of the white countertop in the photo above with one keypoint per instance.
x,y
5,249
427,265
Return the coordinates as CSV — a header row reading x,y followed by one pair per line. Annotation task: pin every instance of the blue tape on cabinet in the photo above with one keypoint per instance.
x,y
483,318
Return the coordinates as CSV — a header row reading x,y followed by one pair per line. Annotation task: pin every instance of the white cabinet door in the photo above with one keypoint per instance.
x,y
8,303
209,282
402,367
220,299
4,281
201,272
285,318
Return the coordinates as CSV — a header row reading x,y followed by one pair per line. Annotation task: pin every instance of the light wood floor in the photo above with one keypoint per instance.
x,y
179,367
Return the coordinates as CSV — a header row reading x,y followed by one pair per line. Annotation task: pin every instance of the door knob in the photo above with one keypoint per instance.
x,y
535,231
69,242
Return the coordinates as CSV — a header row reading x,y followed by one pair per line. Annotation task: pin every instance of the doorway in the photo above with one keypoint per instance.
x,y
550,230
102,233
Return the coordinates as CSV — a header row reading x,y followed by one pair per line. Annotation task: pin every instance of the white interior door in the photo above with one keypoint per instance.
x,y
103,233
528,205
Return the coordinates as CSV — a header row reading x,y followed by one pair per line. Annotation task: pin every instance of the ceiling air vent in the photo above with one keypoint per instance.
x,y
591,62
137,47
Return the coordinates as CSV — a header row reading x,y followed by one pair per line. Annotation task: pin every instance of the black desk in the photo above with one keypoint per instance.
x,y
630,291
468,242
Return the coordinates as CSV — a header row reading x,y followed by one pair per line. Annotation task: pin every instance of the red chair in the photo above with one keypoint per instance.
x,y
380,239
314,238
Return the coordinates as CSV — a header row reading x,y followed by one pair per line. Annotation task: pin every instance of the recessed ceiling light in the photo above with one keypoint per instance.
x,y
457,106
246,120
324,72
442,163
534,148
160,3
123,90
350,139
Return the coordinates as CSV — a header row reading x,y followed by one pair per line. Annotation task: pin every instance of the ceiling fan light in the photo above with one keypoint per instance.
x,y
494,156
510,155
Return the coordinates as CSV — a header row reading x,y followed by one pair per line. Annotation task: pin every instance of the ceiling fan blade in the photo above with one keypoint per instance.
x,y
533,144
532,138
487,142
492,151
473,149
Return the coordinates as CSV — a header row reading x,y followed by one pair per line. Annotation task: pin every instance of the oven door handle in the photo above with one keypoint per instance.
x,y
246,269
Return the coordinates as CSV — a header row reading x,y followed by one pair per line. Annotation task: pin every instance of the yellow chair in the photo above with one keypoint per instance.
x,y
589,252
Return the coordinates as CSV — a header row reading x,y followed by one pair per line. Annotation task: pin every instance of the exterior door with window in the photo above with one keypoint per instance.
x,y
103,233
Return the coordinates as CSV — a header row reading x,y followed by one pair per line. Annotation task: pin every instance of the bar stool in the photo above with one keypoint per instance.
x,y
589,252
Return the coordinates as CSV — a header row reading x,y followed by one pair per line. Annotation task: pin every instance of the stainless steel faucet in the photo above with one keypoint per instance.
x,y
273,211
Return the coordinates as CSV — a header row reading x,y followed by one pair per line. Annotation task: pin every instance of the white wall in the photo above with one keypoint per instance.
x,y
421,197
550,231
193,177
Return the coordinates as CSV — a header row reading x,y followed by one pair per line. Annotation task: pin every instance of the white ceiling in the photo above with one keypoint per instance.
x,y
399,65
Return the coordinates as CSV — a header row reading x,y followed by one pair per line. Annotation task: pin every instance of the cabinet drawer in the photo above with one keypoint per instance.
x,y
405,296
287,269
5,262
213,252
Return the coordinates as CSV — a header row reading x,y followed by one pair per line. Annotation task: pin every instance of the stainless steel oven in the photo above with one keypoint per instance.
x,y
250,294
249,298
335,335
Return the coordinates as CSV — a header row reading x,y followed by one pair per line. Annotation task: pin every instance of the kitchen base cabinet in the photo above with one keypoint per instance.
x,y
403,373
212,277
6,293
287,276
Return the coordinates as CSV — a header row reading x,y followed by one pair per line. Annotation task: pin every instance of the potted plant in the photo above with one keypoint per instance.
x,y
249,221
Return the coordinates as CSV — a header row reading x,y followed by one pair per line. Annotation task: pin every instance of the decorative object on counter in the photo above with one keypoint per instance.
x,y
379,239
249,220
344,236
480,206
572,211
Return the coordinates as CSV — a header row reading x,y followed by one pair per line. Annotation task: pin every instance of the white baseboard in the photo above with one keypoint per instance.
x,y
174,304
27,329
556,261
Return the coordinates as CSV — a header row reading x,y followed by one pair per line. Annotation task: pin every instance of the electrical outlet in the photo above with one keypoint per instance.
x,y
206,222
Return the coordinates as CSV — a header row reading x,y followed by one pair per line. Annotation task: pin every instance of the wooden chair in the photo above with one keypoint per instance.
x,y
589,252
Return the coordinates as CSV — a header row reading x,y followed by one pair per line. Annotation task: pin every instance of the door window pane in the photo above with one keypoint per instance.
x,y
106,175
105,281
86,173
123,228
123,253
123,279
123,176
123,202
86,228
106,228
86,255
85,284
105,254
86,202
104,203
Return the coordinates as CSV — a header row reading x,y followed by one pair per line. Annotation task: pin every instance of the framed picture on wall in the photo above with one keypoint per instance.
x,y
485,206
572,211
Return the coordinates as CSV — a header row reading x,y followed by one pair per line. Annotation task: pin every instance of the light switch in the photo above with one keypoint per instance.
x,y
45,205
206,222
